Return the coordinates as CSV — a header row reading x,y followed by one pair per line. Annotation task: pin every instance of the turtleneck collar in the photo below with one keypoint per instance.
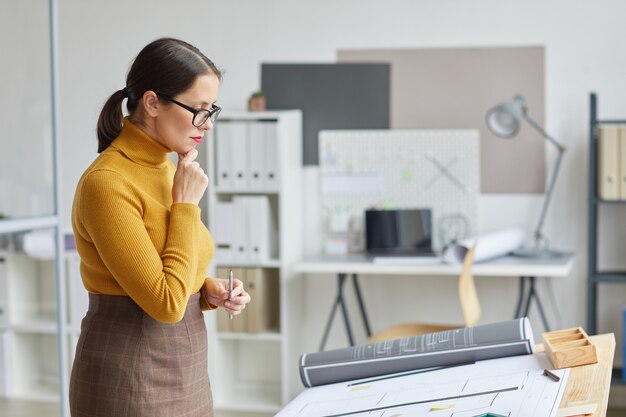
x,y
139,147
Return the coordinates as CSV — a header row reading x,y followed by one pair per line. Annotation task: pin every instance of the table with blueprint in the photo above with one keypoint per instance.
x,y
513,387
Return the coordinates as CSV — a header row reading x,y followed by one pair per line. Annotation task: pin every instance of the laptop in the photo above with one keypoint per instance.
x,y
399,233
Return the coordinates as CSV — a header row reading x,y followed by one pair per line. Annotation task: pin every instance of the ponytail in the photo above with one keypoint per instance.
x,y
110,120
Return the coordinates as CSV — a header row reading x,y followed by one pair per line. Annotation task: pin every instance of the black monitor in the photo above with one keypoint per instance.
x,y
405,232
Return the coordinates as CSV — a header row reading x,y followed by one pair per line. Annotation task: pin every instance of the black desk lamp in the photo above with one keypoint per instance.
x,y
504,121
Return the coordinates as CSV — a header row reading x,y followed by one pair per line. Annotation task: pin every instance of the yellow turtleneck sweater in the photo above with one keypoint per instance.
x,y
131,239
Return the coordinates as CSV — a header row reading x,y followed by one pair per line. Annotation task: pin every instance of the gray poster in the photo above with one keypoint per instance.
x,y
331,96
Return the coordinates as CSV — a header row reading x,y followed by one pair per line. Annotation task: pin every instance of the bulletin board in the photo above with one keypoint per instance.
x,y
436,169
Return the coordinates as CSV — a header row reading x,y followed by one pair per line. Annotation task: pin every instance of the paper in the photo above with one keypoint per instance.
x,y
362,183
488,246
513,387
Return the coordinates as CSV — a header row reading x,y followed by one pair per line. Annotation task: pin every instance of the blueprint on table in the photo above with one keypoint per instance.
x,y
513,387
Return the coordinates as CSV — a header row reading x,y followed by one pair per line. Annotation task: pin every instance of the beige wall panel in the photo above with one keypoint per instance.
x,y
454,87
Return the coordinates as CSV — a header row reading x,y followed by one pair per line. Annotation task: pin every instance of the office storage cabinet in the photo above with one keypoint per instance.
x,y
607,171
28,326
255,217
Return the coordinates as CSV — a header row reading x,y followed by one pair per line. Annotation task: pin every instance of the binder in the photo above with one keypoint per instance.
x,y
239,224
223,231
224,324
622,162
608,163
4,293
261,229
272,174
223,154
238,137
239,322
257,149
263,310
624,345
232,155
7,359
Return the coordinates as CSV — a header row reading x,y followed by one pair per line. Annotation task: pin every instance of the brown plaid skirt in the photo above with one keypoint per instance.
x,y
129,365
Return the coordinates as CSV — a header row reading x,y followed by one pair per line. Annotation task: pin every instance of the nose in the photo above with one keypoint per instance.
x,y
208,125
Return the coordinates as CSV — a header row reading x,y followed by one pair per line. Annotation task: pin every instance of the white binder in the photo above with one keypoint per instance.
x,y
4,294
224,231
223,154
7,359
232,155
238,137
261,229
239,222
257,149
271,156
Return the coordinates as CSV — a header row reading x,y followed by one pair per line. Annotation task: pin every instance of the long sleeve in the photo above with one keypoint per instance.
x,y
159,284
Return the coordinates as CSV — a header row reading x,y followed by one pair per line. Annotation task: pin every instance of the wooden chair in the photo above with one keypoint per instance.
x,y
468,298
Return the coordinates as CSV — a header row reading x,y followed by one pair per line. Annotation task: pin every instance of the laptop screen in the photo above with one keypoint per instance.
x,y
398,232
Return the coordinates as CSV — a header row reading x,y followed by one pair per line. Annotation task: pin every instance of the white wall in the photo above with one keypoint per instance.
x,y
585,45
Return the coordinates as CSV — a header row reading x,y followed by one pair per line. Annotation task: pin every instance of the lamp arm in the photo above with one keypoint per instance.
x,y
555,173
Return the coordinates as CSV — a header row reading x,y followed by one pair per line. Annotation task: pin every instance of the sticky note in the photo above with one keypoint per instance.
x,y
361,387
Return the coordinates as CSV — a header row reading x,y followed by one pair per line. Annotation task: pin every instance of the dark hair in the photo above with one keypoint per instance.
x,y
169,66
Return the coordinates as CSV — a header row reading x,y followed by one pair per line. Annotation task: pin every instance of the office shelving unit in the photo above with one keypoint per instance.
x,y
595,277
257,372
33,342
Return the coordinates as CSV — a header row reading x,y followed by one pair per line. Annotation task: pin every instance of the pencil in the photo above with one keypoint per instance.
x,y
230,289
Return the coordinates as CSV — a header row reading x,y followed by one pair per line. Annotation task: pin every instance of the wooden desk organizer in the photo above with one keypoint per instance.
x,y
569,347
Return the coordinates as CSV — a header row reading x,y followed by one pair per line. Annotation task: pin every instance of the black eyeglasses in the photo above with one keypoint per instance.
x,y
200,116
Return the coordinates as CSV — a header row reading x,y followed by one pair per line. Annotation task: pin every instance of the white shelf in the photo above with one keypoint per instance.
x,y
41,391
245,192
248,370
32,371
261,397
256,337
35,325
27,223
272,263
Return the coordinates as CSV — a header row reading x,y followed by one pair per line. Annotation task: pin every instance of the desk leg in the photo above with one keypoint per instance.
x,y
344,309
359,298
526,297
522,294
533,294
339,301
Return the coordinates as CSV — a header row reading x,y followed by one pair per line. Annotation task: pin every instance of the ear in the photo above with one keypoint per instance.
x,y
151,103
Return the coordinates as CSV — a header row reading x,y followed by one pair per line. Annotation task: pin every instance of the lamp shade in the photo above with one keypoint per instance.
x,y
505,118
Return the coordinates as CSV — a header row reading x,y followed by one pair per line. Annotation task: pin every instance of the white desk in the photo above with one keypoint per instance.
x,y
526,270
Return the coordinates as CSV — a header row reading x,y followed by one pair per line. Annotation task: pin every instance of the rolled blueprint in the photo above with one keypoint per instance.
x,y
447,348
488,246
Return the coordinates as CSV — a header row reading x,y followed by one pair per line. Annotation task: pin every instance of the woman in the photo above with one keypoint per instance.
x,y
144,250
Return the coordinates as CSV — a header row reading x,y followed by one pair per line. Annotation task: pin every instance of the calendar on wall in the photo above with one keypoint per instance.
x,y
394,169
